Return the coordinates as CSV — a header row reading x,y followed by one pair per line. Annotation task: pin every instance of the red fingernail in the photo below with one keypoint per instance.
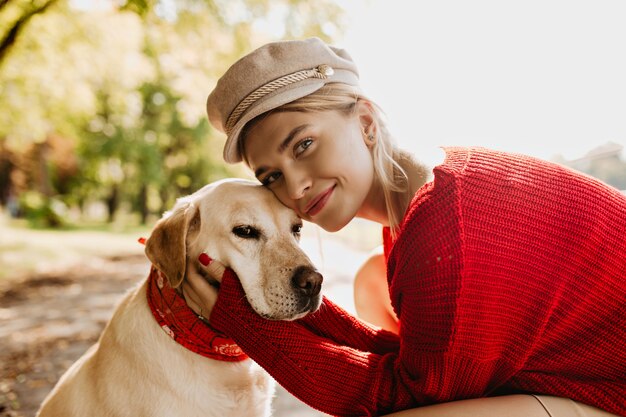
x,y
142,240
205,259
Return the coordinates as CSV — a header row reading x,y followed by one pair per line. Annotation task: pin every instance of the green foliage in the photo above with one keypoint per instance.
x,y
15,18
42,211
141,7
107,104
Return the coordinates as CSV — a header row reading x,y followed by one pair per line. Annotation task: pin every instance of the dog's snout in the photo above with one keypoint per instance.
x,y
307,281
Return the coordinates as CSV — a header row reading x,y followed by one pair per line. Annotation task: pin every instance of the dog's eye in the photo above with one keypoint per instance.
x,y
246,232
296,229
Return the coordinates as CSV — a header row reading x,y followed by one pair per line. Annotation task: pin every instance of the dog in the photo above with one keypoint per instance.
x,y
144,363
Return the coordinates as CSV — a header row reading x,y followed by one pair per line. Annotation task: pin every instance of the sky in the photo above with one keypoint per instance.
x,y
541,77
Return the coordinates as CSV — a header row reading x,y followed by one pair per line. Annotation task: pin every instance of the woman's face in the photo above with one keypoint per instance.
x,y
316,163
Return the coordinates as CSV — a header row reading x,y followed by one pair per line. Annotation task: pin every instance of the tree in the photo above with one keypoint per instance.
x,y
125,87
17,14
25,11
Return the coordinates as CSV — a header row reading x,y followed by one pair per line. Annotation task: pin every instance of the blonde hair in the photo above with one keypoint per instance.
x,y
387,157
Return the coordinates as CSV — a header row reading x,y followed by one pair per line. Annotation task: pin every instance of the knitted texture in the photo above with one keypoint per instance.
x,y
508,275
180,322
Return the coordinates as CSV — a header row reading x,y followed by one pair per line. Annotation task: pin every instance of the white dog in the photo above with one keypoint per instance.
x,y
145,364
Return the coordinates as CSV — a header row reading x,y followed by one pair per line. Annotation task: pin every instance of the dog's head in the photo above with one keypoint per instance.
x,y
241,224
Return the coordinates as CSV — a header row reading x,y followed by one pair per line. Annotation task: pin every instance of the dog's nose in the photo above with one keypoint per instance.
x,y
307,281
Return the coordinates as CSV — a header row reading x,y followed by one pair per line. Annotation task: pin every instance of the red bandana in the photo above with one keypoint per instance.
x,y
184,326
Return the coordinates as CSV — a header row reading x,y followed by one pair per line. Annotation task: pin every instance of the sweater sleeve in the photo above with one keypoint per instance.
x,y
333,322
327,375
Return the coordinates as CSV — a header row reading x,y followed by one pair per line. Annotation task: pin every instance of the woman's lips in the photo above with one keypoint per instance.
x,y
319,202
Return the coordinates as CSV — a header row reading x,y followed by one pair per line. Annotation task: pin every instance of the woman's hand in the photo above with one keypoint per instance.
x,y
198,292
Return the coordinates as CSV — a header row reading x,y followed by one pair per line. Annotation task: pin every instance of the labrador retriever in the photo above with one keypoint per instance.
x,y
156,357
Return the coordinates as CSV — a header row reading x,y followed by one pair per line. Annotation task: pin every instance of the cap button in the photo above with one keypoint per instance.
x,y
325,70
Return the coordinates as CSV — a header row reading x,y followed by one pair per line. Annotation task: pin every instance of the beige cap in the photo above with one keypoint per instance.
x,y
270,76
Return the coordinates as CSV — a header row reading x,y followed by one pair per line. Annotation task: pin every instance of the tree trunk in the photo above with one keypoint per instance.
x,y
113,202
143,204
11,35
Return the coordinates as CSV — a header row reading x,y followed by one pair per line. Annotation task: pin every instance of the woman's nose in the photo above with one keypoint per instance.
x,y
297,185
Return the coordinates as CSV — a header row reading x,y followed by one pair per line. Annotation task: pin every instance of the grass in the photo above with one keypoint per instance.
x,y
24,250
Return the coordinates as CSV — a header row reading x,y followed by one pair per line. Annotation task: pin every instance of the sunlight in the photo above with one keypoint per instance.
x,y
541,78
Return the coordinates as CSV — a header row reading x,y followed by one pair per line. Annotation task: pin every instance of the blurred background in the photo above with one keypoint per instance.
x,y
103,126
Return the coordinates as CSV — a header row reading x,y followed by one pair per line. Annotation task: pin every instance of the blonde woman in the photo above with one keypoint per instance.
x,y
506,274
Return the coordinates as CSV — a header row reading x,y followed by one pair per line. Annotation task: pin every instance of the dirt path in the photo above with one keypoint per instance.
x,y
58,289
49,320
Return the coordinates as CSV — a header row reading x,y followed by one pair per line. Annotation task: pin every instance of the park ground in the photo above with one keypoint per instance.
x,y
58,289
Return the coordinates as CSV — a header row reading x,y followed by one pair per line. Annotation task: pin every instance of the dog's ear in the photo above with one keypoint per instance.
x,y
167,245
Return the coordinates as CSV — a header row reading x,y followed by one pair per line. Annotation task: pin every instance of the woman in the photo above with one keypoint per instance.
x,y
507,274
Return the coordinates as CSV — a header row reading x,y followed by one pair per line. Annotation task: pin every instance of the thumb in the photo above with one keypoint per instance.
x,y
214,268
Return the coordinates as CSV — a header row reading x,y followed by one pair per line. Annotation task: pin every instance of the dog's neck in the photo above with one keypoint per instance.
x,y
184,326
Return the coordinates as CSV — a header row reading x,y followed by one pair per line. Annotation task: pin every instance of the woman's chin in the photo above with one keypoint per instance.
x,y
331,222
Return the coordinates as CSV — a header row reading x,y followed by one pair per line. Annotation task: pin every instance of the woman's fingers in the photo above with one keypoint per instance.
x,y
214,268
192,299
199,294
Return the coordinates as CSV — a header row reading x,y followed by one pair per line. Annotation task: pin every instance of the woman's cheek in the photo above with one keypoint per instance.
x,y
283,197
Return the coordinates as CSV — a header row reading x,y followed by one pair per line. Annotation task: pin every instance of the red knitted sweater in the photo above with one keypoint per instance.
x,y
508,275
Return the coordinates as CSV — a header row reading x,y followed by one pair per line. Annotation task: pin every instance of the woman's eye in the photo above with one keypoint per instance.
x,y
270,178
302,146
